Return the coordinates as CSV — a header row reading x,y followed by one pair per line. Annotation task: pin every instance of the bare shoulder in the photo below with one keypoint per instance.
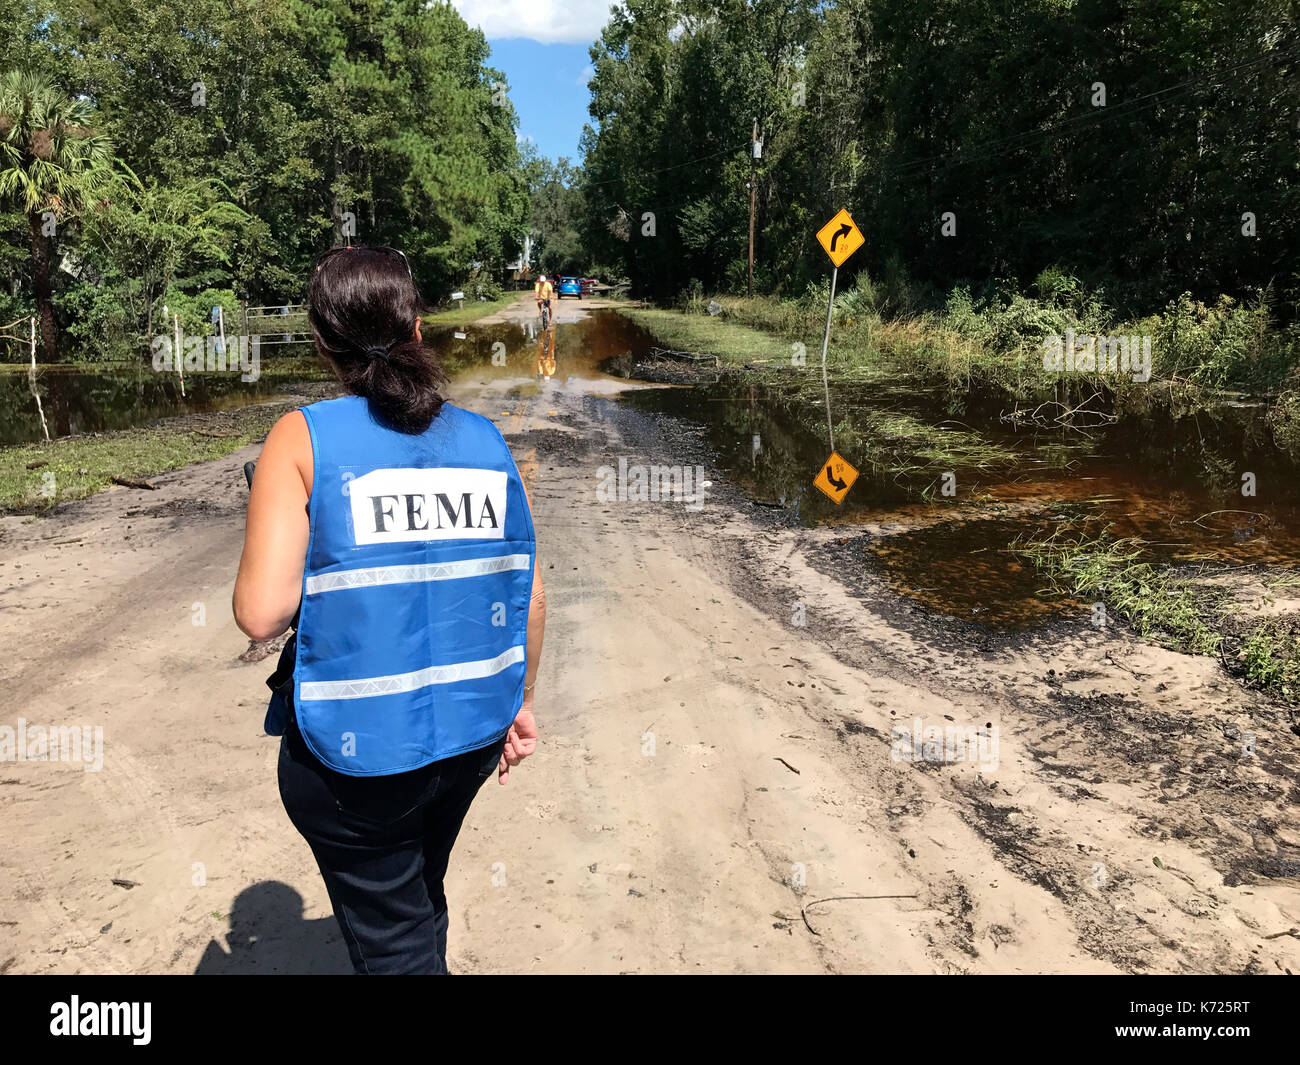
x,y
288,445
290,427
289,437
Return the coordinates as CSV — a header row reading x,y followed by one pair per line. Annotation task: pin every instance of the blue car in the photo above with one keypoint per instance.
x,y
569,286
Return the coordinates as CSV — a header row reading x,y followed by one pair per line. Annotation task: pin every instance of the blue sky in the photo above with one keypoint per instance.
x,y
541,46
548,86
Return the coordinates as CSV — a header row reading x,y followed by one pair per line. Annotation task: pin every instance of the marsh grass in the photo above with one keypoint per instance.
x,y
83,465
1167,606
994,341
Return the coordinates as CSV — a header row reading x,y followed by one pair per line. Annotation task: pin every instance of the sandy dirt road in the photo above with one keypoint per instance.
x,y
709,769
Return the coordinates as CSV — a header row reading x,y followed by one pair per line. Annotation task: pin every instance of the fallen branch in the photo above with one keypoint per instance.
x,y
1064,418
1214,513
803,910
684,356
126,482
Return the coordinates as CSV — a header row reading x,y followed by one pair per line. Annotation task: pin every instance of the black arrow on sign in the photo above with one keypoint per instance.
x,y
843,231
835,482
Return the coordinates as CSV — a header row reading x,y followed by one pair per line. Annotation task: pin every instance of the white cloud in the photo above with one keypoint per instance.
x,y
547,21
585,75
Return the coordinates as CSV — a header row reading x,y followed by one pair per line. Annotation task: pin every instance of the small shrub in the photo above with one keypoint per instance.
x,y
484,286
1224,345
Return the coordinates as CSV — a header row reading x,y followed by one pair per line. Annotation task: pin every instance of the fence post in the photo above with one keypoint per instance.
x,y
31,378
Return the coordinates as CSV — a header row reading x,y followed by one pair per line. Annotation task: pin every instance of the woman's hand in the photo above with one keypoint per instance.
x,y
521,741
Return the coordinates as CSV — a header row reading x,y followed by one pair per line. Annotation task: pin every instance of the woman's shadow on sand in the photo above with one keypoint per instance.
x,y
269,935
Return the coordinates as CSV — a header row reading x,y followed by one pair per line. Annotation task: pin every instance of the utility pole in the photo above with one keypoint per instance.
x,y
756,151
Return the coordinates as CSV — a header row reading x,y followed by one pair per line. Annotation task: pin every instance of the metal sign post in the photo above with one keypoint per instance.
x,y
826,339
840,237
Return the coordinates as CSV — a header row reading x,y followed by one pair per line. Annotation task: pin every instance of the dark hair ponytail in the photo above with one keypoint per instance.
x,y
362,305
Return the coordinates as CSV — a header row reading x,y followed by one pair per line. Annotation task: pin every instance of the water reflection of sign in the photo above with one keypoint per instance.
x,y
835,478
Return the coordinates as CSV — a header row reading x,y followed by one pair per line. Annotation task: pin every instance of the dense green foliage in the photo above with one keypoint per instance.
x,y
249,136
556,215
1145,147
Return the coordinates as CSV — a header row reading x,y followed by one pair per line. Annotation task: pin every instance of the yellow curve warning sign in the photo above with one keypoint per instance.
x,y
836,477
840,237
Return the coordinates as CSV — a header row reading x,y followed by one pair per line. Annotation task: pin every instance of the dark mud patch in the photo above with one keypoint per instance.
x,y
1255,870
184,508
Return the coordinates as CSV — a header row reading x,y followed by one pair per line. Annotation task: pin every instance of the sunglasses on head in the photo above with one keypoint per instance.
x,y
368,247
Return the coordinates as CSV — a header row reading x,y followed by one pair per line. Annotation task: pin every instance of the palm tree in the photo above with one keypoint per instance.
x,y
50,160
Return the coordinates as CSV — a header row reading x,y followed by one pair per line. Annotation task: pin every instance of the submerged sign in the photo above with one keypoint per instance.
x,y
836,477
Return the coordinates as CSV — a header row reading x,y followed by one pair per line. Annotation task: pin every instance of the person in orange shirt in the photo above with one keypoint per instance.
x,y
543,291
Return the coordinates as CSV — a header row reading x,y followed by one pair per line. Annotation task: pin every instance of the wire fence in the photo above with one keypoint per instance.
x,y
283,324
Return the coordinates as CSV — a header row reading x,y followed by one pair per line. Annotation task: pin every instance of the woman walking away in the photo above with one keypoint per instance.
x,y
392,529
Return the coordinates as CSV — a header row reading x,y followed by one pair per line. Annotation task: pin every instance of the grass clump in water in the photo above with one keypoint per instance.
x,y
1170,609
1158,604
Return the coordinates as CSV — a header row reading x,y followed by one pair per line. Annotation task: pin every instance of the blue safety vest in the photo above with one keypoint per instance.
x,y
415,594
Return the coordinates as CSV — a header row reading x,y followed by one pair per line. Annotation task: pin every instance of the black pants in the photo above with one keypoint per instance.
x,y
382,845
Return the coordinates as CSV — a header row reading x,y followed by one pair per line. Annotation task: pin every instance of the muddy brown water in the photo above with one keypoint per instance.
x,y
1175,483
79,400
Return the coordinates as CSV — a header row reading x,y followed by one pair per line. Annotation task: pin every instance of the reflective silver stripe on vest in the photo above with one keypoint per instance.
x,y
409,682
428,571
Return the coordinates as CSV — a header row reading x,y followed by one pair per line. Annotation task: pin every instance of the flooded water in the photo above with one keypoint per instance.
x,y
96,399
576,351
82,400
945,486
1175,483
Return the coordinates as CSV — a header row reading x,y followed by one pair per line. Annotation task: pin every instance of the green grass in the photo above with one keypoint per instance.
x,y
472,311
1160,605
764,333
83,465
733,343
1167,608
1270,656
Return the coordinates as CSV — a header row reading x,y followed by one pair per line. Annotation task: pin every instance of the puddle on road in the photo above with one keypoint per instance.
x,y
575,350
1175,483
